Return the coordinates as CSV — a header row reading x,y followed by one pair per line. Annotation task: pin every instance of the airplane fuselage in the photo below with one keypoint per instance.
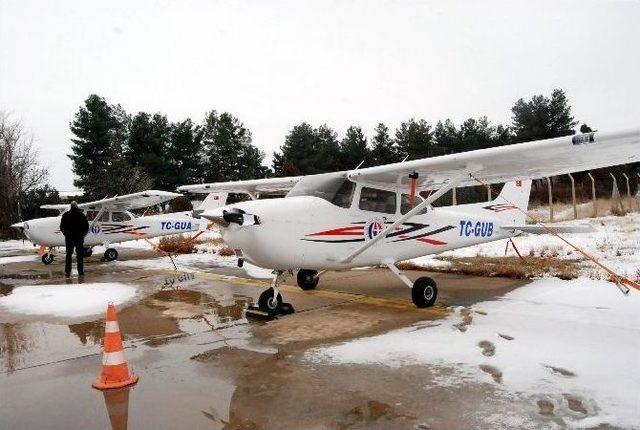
x,y
309,232
46,231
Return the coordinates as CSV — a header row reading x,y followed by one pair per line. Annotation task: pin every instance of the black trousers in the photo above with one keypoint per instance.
x,y
78,245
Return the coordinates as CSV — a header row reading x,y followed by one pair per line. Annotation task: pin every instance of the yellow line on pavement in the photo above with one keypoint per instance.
x,y
438,308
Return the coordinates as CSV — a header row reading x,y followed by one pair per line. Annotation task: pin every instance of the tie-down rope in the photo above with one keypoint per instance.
x,y
164,253
616,277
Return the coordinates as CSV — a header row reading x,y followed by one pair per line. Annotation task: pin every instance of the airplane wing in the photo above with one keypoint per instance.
x,y
530,160
251,187
138,200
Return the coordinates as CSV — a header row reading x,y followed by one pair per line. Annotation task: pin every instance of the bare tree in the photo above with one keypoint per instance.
x,y
20,170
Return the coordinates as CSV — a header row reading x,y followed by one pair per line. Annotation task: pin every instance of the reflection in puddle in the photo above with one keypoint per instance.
x,y
14,344
27,274
159,317
117,403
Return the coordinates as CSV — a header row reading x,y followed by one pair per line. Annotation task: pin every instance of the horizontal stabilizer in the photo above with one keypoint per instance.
x,y
550,229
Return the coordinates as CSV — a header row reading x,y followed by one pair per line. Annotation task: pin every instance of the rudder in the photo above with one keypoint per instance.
x,y
513,201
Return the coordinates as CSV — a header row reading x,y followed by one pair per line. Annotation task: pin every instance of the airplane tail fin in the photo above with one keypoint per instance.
x,y
212,201
510,205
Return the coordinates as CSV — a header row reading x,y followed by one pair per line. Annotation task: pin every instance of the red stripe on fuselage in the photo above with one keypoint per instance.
x,y
343,231
431,241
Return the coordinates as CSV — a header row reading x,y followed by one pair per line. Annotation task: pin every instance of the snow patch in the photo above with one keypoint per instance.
x,y
66,300
550,337
615,242
18,259
257,272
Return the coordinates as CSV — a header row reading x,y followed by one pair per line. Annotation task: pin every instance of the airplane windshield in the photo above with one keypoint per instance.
x,y
325,186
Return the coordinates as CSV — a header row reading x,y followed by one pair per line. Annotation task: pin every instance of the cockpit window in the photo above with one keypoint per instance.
x,y
344,195
120,217
405,204
375,200
91,215
325,186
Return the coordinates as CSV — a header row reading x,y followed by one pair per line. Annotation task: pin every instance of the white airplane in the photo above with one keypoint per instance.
x,y
374,216
111,222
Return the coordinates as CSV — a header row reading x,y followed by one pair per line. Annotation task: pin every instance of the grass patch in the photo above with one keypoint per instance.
x,y
226,251
563,211
176,244
507,267
215,241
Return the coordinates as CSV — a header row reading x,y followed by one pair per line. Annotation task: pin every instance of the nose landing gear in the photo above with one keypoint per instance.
x,y
47,258
110,254
270,301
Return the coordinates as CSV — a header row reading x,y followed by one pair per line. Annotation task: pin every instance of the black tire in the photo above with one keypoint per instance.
x,y
110,254
47,258
87,252
307,279
267,304
424,292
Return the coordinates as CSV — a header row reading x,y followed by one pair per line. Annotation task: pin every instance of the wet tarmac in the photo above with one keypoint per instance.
x,y
203,364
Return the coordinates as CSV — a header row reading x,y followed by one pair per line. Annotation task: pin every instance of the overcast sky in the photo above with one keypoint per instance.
x,y
277,63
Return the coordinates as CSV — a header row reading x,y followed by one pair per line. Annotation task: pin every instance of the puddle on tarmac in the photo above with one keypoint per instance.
x,y
156,319
27,274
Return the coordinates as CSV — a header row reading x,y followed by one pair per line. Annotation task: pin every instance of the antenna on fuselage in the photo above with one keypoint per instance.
x,y
358,166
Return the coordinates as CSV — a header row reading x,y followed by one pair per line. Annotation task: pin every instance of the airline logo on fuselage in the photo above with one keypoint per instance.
x,y
373,228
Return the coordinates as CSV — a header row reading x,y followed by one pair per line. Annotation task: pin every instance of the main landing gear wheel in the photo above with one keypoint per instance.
x,y
47,258
424,292
307,279
268,303
110,254
87,252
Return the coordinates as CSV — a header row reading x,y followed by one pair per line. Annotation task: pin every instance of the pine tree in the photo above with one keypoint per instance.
x,y
584,128
147,145
353,149
415,140
543,118
96,126
383,150
296,156
228,150
327,155
183,155
446,136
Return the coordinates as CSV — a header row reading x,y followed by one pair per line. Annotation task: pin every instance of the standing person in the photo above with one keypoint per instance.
x,y
74,226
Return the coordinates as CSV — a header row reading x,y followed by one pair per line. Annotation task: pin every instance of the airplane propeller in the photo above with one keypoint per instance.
x,y
240,217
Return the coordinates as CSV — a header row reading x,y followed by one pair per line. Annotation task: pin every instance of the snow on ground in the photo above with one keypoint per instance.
x,y
197,261
66,300
10,246
615,242
18,259
579,337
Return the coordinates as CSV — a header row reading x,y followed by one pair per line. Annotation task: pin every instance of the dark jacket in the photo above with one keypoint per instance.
x,y
74,224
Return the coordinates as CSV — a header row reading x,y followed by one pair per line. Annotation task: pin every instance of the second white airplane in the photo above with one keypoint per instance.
x,y
111,222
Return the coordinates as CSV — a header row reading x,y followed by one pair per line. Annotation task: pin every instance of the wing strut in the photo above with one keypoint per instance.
x,y
416,209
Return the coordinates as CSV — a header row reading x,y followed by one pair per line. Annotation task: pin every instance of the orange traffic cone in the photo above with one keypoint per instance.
x,y
115,372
